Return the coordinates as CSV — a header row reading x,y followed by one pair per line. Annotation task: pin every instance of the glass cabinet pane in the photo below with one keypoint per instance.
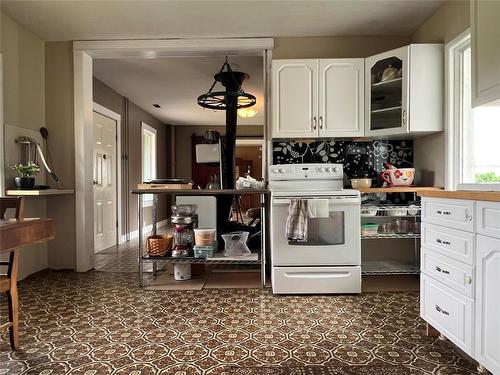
x,y
386,94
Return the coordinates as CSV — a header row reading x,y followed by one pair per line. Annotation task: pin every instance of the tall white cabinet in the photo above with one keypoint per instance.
x,y
460,280
318,98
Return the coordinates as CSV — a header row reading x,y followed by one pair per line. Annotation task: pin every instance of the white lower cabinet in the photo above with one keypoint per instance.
x,y
448,311
460,280
487,335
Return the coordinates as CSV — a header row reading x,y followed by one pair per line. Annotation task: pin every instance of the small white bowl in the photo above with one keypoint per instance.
x,y
361,183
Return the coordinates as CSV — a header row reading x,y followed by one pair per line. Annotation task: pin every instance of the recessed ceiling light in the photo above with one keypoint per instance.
x,y
156,105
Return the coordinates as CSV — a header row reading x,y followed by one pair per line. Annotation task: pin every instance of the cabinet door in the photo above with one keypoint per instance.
x,y
341,97
387,93
487,341
295,98
485,36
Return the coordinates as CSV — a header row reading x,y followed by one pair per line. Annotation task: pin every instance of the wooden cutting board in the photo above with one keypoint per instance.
x,y
164,186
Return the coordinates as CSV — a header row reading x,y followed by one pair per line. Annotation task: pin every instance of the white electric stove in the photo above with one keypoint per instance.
x,y
330,260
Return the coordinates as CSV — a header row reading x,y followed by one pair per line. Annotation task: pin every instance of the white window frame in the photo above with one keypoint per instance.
x,y
453,70
148,198
453,129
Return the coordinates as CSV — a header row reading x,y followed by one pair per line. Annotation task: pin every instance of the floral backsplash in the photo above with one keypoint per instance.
x,y
359,158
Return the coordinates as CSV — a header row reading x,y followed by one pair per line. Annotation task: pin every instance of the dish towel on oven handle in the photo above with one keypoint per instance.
x,y
317,209
296,222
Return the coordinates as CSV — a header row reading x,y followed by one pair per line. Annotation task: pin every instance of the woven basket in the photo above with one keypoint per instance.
x,y
158,246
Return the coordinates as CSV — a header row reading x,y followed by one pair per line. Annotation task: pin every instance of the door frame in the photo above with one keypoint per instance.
x,y
256,142
120,238
83,54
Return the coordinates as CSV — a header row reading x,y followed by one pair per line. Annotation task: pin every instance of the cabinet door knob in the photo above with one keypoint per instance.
x,y
468,279
315,123
321,122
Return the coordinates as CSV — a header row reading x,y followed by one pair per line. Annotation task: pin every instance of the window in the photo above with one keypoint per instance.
x,y
473,160
148,158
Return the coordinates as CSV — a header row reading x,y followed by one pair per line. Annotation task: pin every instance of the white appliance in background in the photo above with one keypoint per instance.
x,y
208,153
330,260
207,209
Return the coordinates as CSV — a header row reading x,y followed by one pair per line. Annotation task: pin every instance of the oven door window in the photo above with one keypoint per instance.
x,y
324,231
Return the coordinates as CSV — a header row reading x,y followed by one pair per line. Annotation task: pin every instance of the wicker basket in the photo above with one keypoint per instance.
x,y
158,246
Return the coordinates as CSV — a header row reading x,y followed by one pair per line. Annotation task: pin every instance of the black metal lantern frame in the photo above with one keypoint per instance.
x,y
233,98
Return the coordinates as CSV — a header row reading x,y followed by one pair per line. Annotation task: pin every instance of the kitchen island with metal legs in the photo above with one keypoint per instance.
x,y
257,257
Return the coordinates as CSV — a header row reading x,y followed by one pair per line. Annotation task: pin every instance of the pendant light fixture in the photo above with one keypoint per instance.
x,y
234,97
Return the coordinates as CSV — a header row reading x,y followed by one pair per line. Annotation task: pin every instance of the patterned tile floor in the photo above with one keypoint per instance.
x,y
102,323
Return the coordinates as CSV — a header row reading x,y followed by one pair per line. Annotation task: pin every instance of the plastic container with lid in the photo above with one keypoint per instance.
x,y
205,251
369,229
204,236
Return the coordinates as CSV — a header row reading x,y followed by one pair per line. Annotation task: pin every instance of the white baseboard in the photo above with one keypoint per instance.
x,y
147,230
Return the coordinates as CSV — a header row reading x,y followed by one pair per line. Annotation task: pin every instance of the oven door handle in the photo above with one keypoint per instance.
x,y
316,275
334,202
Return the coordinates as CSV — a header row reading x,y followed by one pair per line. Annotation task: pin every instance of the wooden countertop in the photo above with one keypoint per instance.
x,y
398,189
493,196
39,193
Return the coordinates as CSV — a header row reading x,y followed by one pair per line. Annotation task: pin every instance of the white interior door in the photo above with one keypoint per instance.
x,y
105,182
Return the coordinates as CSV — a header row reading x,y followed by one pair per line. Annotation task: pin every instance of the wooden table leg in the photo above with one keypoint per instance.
x,y
12,296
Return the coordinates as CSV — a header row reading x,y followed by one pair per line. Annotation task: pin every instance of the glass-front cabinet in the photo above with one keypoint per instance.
x,y
404,91
387,90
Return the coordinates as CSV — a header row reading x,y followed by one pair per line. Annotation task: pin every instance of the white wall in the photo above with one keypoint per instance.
x,y
24,113
449,21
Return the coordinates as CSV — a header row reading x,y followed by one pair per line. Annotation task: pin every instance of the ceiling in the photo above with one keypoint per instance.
x,y
174,83
134,19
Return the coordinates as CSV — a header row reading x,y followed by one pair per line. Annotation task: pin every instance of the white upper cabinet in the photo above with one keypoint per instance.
x,y
295,98
318,98
341,97
485,37
404,91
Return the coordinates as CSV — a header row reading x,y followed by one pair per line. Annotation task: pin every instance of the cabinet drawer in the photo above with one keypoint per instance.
x,y
452,273
453,243
448,311
453,213
488,218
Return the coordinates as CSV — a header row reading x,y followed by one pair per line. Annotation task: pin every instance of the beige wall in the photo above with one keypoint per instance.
x,y
334,46
183,148
60,124
449,21
24,113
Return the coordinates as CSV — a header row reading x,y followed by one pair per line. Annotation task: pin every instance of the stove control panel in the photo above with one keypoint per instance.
x,y
306,171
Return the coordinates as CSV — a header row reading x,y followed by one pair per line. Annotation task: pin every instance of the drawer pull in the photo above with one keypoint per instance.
x,y
439,212
438,240
439,269
442,311
468,217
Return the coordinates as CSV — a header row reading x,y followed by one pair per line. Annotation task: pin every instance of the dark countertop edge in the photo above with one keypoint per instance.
x,y
198,191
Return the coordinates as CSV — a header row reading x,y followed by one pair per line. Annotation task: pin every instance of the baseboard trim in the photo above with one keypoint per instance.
x,y
147,229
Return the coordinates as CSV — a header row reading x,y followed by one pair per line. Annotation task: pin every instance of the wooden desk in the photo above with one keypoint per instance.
x,y
13,235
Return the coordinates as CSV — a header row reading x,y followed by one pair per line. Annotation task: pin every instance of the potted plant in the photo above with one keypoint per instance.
x,y
27,173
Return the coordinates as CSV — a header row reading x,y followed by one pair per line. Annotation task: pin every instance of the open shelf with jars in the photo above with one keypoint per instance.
x,y
386,221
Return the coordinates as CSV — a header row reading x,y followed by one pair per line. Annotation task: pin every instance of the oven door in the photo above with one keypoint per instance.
x,y
335,240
